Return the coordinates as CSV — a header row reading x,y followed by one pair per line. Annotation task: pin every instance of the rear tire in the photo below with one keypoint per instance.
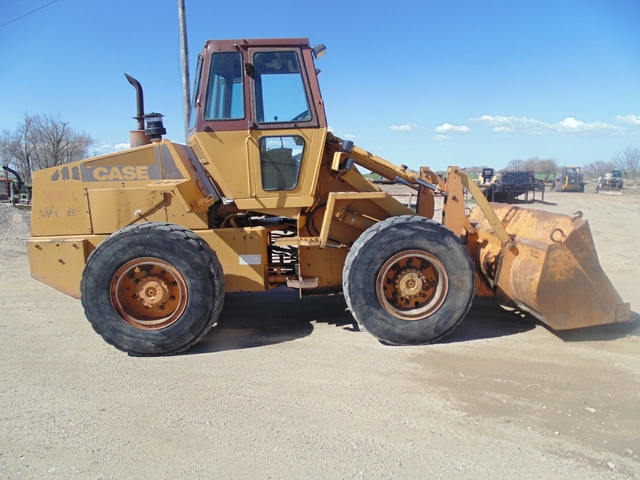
x,y
152,289
408,280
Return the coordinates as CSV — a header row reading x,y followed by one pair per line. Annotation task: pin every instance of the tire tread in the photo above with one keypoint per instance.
x,y
378,229
208,258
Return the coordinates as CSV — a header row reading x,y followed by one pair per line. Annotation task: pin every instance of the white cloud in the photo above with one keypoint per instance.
x,y
630,119
339,133
510,124
442,137
572,125
104,147
531,126
407,127
452,129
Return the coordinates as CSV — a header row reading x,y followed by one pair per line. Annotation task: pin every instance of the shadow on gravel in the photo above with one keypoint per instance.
x,y
251,320
611,331
522,201
486,319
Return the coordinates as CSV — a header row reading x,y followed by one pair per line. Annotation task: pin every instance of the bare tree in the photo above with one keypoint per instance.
x,y
534,164
41,142
530,164
17,146
57,143
547,166
629,161
598,168
6,147
515,165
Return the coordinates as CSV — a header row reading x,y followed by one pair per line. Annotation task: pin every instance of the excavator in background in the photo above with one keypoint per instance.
x,y
264,195
15,190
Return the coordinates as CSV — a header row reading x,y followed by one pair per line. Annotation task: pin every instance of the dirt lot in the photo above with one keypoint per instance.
x,y
287,388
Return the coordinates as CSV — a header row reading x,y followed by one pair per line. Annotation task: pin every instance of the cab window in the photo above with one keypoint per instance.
x,y
279,88
280,158
225,98
196,93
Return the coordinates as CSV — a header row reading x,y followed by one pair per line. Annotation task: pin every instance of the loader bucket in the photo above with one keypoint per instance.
x,y
551,271
609,191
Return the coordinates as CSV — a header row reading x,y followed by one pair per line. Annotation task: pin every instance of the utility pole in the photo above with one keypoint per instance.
x,y
184,57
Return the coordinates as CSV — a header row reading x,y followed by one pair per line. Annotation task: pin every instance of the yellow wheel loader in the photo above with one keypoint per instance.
x,y
263,195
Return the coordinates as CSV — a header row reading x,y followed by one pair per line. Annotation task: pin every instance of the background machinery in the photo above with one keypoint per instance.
x,y
15,190
610,183
506,187
570,179
548,178
5,189
263,195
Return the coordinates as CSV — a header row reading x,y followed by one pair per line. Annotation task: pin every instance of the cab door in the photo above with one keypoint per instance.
x,y
286,141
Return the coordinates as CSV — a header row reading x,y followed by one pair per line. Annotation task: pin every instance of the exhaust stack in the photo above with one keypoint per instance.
x,y
138,137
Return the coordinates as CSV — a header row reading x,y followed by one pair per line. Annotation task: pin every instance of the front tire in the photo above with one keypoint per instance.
x,y
152,289
408,280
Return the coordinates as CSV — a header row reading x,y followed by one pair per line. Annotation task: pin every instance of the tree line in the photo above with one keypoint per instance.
x,y
533,164
42,141
628,161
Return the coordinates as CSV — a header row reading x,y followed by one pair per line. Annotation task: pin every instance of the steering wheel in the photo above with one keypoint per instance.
x,y
300,116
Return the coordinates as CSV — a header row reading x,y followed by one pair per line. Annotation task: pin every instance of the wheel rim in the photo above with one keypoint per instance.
x,y
149,293
412,285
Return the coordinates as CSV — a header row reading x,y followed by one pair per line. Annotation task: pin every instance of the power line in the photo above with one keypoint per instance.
x,y
27,14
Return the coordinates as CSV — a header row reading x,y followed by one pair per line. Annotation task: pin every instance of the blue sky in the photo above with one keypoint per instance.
x,y
421,83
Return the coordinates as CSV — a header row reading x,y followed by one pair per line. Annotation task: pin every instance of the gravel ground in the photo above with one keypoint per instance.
x,y
15,225
287,388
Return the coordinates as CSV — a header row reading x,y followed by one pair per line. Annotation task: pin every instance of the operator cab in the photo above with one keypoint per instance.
x,y
256,115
